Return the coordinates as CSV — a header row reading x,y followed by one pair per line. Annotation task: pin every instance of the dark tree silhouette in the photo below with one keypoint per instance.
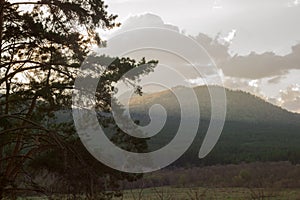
x,y
42,45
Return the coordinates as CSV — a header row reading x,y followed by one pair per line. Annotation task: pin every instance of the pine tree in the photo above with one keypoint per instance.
x,y
42,45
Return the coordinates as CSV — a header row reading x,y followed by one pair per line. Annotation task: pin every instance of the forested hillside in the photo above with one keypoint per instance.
x,y
254,130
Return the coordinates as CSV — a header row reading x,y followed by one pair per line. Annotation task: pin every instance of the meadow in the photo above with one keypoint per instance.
x,y
199,193
178,193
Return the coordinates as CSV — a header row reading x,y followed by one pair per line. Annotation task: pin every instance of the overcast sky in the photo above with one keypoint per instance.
x,y
262,39
266,25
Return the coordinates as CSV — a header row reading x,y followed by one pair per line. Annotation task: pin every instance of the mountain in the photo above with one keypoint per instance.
x,y
254,130
241,106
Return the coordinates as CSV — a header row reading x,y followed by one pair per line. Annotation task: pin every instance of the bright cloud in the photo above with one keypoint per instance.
x,y
231,35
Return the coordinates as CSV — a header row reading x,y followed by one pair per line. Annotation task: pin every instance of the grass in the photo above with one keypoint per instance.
x,y
175,193
181,193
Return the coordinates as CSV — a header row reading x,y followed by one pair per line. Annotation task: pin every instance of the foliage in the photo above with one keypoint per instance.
x,y
42,45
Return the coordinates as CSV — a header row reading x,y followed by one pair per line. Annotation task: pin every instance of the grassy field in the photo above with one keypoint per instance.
x,y
173,193
176,193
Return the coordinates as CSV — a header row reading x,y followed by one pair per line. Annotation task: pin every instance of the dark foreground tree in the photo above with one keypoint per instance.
x,y
42,45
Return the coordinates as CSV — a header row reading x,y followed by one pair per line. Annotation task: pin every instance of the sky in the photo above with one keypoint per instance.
x,y
258,47
266,25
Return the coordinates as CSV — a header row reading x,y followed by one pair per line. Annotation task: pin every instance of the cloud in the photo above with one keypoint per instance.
x,y
252,86
217,47
293,3
146,20
191,54
273,100
211,79
290,98
256,66
217,50
231,35
196,81
275,80
252,66
217,5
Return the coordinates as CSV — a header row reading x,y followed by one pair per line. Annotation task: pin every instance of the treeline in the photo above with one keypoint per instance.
x,y
250,175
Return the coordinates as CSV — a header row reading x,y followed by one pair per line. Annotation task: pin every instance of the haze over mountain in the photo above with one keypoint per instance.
x,y
241,106
254,130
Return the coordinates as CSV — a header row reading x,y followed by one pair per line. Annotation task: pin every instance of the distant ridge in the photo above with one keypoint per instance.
x,y
241,106
254,130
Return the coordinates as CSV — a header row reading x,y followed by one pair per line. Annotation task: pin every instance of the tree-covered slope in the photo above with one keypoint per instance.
x,y
254,130
241,106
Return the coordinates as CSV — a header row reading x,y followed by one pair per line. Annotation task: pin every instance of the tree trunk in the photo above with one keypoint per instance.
x,y
1,148
1,192
1,25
